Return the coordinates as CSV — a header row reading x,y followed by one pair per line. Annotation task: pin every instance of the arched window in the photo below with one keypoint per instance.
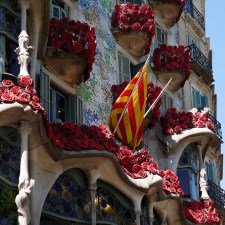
x,y
112,206
68,201
187,172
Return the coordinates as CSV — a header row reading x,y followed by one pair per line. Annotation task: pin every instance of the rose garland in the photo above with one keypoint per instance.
x,y
75,37
153,92
174,122
132,17
172,57
23,93
201,212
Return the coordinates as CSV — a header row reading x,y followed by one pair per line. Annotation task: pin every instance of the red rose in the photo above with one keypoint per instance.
x,y
23,98
53,22
126,160
16,90
7,83
77,47
136,26
3,89
30,90
25,81
7,97
35,98
35,105
123,27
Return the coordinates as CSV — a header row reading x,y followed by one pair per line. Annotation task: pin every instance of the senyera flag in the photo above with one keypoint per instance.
x,y
127,116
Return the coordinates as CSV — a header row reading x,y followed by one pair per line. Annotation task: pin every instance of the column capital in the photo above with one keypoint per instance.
x,y
24,127
24,4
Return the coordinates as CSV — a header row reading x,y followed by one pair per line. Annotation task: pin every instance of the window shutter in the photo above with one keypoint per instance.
x,y
194,98
198,98
206,101
74,109
124,68
45,91
55,11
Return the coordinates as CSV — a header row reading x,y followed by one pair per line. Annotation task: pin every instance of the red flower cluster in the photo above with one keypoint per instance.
x,y
181,3
72,137
174,122
24,93
171,182
75,37
132,17
201,212
153,92
173,57
136,164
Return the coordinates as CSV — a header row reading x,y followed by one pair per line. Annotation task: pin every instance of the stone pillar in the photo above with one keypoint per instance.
x,y
138,217
24,5
93,176
93,208
25,183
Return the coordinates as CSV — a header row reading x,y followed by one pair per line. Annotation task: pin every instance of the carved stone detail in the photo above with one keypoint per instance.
x,y
23,53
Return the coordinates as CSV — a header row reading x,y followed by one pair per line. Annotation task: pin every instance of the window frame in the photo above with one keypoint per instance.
x,y
74,108
198,99
168,100
163,35
70,9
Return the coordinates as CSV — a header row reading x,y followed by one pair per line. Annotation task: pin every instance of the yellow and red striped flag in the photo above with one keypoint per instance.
x,y
131,106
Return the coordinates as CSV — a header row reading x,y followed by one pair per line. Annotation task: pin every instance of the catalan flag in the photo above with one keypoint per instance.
x,y
127,115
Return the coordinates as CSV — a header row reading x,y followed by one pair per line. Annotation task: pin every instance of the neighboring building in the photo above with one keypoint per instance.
x,y
80,176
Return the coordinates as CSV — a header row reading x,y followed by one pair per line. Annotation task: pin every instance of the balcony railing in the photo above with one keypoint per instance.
x,y
195,14
217,126
216,193
216,123
204,66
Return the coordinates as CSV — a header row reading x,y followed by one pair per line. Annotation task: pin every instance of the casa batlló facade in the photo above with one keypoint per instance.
x,y
65,66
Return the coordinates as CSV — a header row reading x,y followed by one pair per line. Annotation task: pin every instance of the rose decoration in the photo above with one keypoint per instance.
x,y
132,17
174,122
153,92
24,93
201,212
168,58
74,37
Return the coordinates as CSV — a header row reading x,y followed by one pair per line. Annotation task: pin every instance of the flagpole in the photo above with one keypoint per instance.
x,y
121,116
157,99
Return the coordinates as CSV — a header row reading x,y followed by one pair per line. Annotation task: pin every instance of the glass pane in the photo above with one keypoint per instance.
x,y
183,176
194,186
60,107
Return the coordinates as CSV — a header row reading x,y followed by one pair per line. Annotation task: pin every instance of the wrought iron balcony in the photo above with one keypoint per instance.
x,y
217,126
195,14
216,193
200,64
216,123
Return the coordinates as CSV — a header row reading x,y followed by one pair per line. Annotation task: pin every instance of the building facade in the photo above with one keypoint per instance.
x,y
60,154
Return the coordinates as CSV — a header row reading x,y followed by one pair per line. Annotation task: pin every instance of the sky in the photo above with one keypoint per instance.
x,y
215,30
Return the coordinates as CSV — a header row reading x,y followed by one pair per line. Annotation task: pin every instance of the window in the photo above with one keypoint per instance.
x,y
58,104
167,102
59,9
9,61
210,172
191,40
160,36
139,2
199,100
127,70
187,172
